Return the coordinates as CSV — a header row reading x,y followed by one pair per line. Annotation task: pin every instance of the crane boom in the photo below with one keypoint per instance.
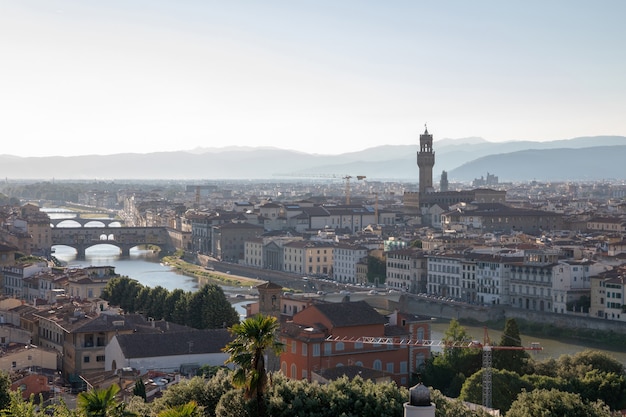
x,y
486,347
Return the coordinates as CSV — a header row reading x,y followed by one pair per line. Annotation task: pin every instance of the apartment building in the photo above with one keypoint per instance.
x,y
16,283
345,260
326,336
608,294
572,280
444,275
309,257
406,270
531,280
228,240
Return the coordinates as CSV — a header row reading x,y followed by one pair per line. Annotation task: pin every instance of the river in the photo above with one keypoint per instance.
x,y
552,348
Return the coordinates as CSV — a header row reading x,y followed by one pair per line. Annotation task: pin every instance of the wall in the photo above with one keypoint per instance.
x,y
432,308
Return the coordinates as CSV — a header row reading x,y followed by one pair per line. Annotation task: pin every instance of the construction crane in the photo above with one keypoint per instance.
x,y
347,178
486,347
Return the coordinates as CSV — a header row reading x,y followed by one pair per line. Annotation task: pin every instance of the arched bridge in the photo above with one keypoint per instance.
x,y
125,238
83,221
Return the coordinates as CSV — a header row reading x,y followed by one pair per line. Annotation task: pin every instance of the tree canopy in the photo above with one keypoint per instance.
x,y
207,308
545,403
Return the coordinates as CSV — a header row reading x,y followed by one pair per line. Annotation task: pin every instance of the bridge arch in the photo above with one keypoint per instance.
x,y
125,238
85,222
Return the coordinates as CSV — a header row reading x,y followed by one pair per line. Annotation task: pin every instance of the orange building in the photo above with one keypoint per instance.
x,y
308,352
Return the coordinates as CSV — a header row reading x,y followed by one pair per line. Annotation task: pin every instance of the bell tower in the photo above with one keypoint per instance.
x,y
426,162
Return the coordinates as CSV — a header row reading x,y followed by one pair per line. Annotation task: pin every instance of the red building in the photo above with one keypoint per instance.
x,y
308,352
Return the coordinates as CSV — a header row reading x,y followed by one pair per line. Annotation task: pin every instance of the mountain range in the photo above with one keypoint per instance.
x,y
577,159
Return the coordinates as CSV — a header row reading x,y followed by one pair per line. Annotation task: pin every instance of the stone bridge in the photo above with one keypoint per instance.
x,y
125,238
84,221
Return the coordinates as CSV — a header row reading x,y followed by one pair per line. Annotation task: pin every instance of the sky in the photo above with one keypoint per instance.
x,y
89,77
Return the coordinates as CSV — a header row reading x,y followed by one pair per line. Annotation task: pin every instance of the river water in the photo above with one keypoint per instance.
x,y
145,267
551,348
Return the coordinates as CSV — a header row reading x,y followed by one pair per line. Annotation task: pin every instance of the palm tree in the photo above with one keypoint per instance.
x,y
252,338
184,410
98,402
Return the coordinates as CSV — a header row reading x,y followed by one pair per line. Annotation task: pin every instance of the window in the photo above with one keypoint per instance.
x,y
316,349
339,346
328,348
86,359
378,365
403,367
100,358
293,371
304,349
294,347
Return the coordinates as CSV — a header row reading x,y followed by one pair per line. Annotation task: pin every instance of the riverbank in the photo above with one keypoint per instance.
x,y
206,276
594,338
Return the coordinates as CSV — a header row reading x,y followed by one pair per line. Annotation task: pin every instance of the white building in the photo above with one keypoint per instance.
x,y
167,352
345,259
531,280
444,275
14,284
571,280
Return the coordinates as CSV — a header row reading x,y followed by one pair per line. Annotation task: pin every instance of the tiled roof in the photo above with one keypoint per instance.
x,y
143,345
357,313
269,285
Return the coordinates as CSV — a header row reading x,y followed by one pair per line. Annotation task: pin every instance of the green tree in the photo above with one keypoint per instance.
x,y
158,295
577,365
544,403
140,389
447,372
208,308
170,312
98,402
376,270
5,390
142,301
444,407
606,386
511,359
122,291
457,354
209,371
505,387
252,338
205,392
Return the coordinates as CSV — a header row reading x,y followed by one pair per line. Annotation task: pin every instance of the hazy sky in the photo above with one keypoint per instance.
x,y
100,77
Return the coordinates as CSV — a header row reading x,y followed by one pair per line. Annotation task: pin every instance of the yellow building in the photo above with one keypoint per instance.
x,y
309,258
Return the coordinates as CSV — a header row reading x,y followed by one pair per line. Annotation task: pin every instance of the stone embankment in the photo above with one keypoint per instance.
x,y
452,310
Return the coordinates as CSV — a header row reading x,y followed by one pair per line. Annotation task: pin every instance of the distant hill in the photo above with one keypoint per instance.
x,y
584,164
465,159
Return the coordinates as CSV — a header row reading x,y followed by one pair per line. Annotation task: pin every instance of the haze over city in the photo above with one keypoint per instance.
x,y
324,77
